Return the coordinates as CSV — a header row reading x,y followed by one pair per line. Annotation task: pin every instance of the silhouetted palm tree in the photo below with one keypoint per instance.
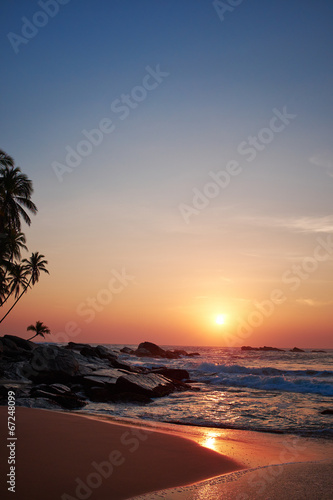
x,y
13,244
39,328
15,197
6,160
32,267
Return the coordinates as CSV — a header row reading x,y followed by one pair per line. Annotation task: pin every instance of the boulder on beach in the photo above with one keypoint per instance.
x,y
53,364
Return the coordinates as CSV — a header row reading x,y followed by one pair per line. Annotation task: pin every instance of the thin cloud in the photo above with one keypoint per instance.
x,y
323,160
323,224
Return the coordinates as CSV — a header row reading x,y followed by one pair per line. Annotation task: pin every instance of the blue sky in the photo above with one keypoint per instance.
x,y
224,80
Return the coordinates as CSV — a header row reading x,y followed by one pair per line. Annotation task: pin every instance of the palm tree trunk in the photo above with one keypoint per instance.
x,y
16,301
33,337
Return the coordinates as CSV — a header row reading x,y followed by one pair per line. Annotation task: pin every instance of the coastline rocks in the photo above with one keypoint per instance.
x,y
265,348
151,350
327,412
173,373
127,350
149,384
12,347
69,377
60,394
296,349
20,343
52,364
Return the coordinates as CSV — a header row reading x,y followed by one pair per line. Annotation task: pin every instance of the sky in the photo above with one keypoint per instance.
x,y
182,163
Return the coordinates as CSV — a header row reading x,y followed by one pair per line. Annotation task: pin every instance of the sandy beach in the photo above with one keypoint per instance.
x,y
69,456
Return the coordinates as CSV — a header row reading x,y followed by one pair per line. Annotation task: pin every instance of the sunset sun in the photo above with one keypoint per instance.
x,y
220,319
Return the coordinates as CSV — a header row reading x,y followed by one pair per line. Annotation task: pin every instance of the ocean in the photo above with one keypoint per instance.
x,y
280,392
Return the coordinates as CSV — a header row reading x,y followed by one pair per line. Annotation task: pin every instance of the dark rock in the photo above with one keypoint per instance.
x,y
127,350
192,354
53,364
102,377
173,373
148,349
101,394
180,352
130,397
142,353
296,349
153,349
75,346
149,384
327,412
11,350
265,348
88,352
68,401
171,355
21,343
103,352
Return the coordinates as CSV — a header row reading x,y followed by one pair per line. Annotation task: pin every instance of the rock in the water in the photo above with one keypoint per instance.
x,y
327,412
173,373
127,350
265,348
76,347
149,384
296,349
153,349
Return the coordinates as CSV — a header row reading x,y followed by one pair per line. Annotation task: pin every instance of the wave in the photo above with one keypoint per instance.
x,y
211,367
267,378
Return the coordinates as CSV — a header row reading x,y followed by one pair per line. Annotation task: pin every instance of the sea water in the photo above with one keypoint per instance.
x,y
255,390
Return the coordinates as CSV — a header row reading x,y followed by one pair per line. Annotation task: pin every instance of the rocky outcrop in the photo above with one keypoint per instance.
x,y
60,394
265,348
50,364
296,349
327,412
69,377
173,373
149,384
150,350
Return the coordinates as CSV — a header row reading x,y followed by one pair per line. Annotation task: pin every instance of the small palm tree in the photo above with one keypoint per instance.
x,y
39,328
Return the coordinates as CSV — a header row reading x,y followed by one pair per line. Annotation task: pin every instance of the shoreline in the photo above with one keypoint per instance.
x,y
142,456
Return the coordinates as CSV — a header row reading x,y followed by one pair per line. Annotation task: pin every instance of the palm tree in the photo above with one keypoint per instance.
x,y
15,242
15,196
12,246
32,267
40,329
6,160
17,279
